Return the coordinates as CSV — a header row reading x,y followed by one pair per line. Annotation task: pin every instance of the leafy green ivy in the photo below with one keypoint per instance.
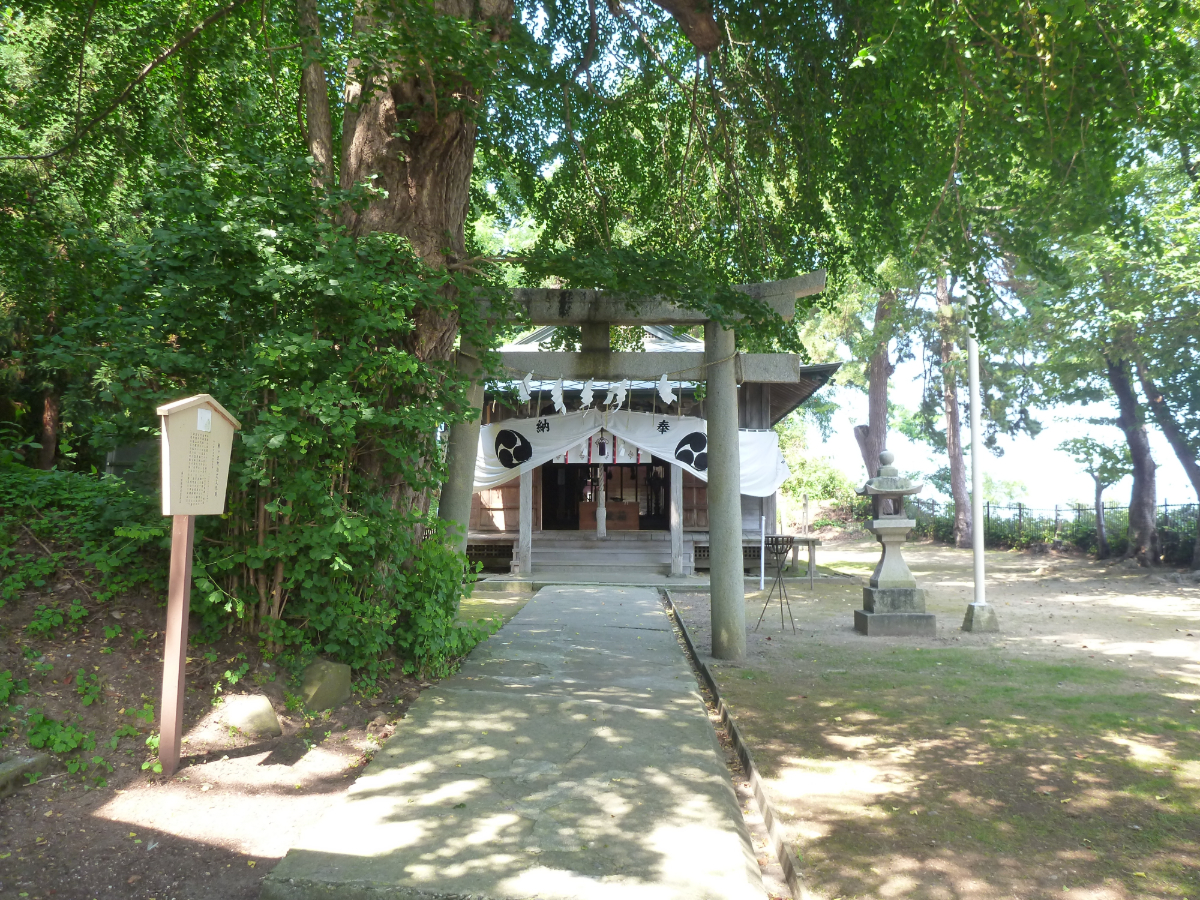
x,y
76,522
241,287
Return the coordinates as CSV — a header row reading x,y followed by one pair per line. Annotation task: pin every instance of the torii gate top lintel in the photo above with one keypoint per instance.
x,y
559,306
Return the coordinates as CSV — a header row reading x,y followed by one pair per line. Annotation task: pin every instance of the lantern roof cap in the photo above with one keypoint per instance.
x,y
889,482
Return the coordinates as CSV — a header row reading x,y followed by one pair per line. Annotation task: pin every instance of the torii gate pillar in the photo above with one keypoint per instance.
x,y
455,504
726,572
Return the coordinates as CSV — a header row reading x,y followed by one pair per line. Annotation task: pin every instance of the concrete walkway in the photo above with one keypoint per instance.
x,y
594,576
571,757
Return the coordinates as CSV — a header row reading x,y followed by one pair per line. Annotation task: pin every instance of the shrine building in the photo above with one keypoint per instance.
x,y
598,459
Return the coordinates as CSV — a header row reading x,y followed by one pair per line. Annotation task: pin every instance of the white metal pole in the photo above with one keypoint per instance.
x,y
976,470
980,616
762,552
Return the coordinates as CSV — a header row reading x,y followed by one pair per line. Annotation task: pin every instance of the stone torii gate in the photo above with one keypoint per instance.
x,y
720,366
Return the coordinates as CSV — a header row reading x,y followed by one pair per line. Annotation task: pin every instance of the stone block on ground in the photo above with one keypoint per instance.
x,y
889,624
13,769
894,600
981,617
326,684
251,714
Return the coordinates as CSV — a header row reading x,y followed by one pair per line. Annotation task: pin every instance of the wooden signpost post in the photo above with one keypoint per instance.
x,y
197,437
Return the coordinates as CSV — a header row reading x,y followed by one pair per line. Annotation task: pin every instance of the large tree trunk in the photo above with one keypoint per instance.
x,y
872,437
413,139
49,437
409,132
954,445
1176,438
1102,548
318,130
1143,529
419,151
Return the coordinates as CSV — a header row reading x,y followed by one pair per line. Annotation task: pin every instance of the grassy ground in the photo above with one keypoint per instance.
x,y
1060,758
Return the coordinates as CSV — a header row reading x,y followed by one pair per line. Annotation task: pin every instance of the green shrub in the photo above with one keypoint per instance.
x,y
10,687
88,687
817,476
57,737
76,613
20,571
327,545
45,620
88,522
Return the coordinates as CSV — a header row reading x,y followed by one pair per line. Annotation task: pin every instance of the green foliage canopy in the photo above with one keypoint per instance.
x,y
159,233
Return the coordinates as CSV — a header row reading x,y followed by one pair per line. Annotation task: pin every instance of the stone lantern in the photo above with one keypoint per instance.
x,y
892,602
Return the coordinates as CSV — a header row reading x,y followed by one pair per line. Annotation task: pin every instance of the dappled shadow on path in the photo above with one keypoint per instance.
x,y
571,757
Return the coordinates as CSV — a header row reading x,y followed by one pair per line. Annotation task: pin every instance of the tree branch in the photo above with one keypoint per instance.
x,y
141,76
696,20
593,36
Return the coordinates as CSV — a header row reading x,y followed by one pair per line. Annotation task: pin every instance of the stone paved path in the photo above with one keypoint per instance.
x,y
571,757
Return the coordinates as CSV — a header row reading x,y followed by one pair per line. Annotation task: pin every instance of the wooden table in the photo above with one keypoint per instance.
x,y
812,543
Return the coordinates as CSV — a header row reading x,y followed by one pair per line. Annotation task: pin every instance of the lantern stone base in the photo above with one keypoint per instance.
x,y
894,599
895,624
894,612
980,617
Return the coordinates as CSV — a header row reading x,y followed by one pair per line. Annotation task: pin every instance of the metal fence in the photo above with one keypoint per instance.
x,y
1024,526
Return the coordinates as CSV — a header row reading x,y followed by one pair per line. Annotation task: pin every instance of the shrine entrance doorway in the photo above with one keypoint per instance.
x,y
638,496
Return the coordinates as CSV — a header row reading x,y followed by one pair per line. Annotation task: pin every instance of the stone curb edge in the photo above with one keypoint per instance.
x,y
13,769
765,808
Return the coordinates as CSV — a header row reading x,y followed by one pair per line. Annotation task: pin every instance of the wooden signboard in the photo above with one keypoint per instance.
x,y
197,437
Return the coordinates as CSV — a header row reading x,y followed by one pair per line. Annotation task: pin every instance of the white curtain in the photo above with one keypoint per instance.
x,y
508,448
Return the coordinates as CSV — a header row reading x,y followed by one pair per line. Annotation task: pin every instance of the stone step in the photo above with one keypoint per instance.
x,y
626,573
613,562
621,546
613,535
628,546
602,549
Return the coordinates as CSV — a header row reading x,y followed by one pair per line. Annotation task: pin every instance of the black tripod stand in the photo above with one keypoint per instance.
x,y
779,546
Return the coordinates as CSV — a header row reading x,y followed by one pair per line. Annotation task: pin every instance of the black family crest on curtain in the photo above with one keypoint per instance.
x,y
591,437
693,451
512,448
